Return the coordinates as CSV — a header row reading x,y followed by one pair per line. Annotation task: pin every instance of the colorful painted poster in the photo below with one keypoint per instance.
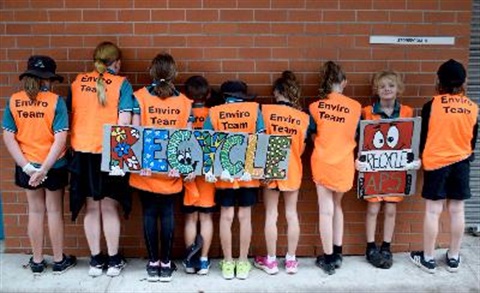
x,y
387,147
132,148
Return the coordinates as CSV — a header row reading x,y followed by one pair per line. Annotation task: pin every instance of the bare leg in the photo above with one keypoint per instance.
x,y
190,228
245,219
326,211
290,198
371,220
54,202
226,220
111,224
206,230
337,219
433,209
389,221
270,200
36,215
457,225
92,225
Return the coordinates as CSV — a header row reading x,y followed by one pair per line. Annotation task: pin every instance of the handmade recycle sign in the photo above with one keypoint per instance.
x,y
132,148
387,146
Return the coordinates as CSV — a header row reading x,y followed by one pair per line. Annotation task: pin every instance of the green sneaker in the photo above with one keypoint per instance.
x,y
228,269
243,268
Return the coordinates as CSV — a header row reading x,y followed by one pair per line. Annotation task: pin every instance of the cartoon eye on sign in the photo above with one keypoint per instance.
x,y
387,136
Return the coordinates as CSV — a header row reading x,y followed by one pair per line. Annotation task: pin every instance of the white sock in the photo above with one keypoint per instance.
x,y
203,258
455,257
427,257
165,265
271,258
289,257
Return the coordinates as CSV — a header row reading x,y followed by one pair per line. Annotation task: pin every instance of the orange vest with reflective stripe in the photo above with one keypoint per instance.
x,y
199,192
285,120
171,112
367,114
450,131
88,116
337,119
235,117
34,122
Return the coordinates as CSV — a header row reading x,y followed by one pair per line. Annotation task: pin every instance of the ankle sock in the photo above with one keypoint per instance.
x,y
337,249
371,245
203,258
328,258
289,257
385,246
427,257
271,258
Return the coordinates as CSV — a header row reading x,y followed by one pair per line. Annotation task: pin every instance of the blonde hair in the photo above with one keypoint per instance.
x,y
330,74
104,55
163,71
389,74
288,86
31,86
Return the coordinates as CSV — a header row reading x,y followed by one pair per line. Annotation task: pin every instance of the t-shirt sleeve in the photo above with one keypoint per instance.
x,y
60,121
8,123
126,97
260,126
208,123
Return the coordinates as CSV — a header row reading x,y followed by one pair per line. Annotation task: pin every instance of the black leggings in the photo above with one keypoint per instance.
x,y
156,206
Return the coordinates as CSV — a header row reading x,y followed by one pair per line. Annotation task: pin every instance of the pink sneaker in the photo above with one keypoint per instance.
x,y
291,266
262,263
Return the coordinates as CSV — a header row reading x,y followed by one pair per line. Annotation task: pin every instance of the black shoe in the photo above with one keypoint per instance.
x,y
337,260
68,261
37,268
328,268
452,264
418,259
374,257
387,259
116,264
153,273
193,249
97,264
167,272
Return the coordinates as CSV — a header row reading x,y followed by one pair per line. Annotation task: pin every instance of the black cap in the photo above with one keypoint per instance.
x,y
42,67
237,89
451,73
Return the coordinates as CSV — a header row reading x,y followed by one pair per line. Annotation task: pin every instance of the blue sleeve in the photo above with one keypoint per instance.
x,y
312,126
8,123
208,123
126,97
260,127
136,105
60,122
191,118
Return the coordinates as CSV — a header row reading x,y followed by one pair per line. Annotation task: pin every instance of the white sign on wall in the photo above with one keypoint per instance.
x,y
412,40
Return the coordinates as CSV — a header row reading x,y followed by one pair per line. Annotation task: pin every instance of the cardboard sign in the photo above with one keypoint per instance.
x,y
132,148
387,146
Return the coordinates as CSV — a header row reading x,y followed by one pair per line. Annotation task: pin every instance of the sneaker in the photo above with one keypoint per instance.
x,y
328,268
419,260
387,259
153,273
337,260
262,263
228,269
37,268
167,272
374,257
68,261
243,268
97,264
193,249
452,264
204,267
291,266
189,266
115,265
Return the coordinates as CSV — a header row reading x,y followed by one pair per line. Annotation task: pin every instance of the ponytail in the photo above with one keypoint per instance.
x,y
101,93
104,55
163,71
330,74
31,85
288,86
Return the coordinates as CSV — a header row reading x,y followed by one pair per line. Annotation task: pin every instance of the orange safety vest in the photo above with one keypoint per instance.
x,y
283,119
235,117
88,116
34,122
171,112
450,131
368,114
337,119
199,192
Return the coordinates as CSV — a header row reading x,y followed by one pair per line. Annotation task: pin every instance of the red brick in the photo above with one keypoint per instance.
x,y
389,29
356,4
465,5
14,4
255,53
287,4
202,15
339,16
204,66
202,41
423,4
389,5
162,15
330,4
406,16
151,28
185,28
238,66
82,4
134,15
250,28
355,54
184,3
170,40
439,17
372,16
270,41
134,41
220,28
236,15
18,29
16,54
304,41
116,4
31,15
100,14
287,29
337,41
65,15
218,4
388,54
236,41
150,4
38,42
288,53
270,15
253,4
187,53
271,66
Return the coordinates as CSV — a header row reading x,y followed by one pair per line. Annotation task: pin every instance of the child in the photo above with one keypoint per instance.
x,y
158,191
199,199
37,144
387,86
449,133
287,92
336,117
99,97
243,193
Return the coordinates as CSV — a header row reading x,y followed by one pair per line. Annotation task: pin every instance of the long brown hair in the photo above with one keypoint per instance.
x,y
288,86
31,85
330,74
104,55
163,71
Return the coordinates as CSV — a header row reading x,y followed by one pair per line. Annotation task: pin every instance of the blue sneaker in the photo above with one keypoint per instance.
x,y
189,266
204,267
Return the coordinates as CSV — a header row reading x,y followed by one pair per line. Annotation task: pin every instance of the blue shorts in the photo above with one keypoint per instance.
x,y
449,182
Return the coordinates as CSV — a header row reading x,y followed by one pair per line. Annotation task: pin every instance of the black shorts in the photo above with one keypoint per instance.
x,y
87,180
243,197
56,179
449,182
192,209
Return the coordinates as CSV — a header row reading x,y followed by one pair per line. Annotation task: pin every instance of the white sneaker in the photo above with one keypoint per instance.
x,y
95,271
115,269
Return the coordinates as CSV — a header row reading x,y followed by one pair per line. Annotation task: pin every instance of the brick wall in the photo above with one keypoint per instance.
x,y
253,40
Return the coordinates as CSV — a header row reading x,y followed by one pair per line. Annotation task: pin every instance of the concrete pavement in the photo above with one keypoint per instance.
x,y
356,275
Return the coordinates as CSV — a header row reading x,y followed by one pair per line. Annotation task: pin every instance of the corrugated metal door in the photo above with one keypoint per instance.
x,y
472,206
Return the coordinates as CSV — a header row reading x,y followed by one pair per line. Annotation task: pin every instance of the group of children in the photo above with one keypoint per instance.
x,y
36,123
